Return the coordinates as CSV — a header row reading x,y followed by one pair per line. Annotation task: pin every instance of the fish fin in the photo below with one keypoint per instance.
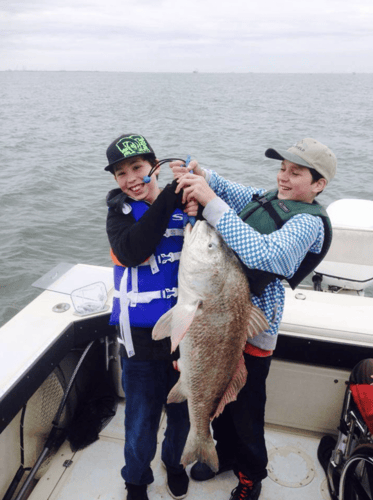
x,y
235,385
201,449
257,322
183,317
175,323
163,326
176,394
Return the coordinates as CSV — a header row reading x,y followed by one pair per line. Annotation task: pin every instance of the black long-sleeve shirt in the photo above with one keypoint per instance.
x,y
134,241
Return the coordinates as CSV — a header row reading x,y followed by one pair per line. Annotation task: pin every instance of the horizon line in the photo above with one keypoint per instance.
x,y
188,72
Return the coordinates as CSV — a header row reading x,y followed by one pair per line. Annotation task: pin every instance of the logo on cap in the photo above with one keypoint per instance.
x,y
299,145
133,145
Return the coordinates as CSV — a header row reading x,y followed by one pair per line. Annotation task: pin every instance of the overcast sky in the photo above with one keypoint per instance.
x,y
187,35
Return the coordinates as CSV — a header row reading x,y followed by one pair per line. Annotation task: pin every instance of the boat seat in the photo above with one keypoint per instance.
x,y
349,261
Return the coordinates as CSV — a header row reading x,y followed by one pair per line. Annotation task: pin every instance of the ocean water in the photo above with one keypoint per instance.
x,y
56,126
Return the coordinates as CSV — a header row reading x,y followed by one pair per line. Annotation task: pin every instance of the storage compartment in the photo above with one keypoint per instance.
x,y
305,396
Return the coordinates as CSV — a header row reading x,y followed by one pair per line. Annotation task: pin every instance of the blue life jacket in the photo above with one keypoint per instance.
x,y
151,286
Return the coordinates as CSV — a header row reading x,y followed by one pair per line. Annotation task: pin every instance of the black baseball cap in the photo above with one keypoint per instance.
x,y
126,146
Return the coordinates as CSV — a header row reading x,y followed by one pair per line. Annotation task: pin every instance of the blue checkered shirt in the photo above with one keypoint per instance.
x,y
280,252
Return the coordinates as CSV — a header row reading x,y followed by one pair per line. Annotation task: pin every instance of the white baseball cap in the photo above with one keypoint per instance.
x,y
309,153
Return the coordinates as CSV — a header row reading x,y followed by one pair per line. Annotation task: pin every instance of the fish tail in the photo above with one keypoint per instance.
x,y
201,449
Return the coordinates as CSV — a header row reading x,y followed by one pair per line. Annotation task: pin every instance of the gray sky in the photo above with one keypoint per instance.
x,y
186,35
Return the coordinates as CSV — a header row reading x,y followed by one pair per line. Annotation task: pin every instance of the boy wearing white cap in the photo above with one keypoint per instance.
x,y
281,234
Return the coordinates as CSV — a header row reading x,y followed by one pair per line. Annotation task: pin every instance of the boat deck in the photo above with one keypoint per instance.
x,y
94,472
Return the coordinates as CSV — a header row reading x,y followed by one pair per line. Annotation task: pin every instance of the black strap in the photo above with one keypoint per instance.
x,y
271,211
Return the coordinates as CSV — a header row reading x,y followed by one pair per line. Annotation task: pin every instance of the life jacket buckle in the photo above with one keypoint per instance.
x,y
169,292
262,200
166,257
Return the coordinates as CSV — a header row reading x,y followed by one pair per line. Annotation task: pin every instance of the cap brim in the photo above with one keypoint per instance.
x,y
286,155
110,167
272,153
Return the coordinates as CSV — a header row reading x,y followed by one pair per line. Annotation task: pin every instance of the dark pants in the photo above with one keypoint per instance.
x,y
239,430
146,385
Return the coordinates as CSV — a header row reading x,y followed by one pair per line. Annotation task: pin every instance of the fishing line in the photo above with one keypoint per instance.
x,y
161,162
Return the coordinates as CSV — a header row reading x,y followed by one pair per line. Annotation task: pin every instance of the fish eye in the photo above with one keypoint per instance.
x,y
213,242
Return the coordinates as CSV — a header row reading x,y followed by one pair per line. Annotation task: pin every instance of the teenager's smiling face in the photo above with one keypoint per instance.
x,y
295,183
130,174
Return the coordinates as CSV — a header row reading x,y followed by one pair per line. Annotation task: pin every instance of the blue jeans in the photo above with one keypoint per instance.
x,y
146,385
239,430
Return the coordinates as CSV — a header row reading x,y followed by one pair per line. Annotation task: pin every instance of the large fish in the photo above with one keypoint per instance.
x,y
210,323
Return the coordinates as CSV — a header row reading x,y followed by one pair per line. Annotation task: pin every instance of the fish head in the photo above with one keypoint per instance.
x,y
205,260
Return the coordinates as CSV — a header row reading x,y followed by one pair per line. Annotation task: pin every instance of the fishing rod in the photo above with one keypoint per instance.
x,y
191,218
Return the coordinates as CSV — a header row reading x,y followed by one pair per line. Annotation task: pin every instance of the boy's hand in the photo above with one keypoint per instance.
x,y
179,169
191,208
195,187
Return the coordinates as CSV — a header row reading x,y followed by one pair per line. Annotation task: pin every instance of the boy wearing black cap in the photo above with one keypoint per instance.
x,y
145,231
282,234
